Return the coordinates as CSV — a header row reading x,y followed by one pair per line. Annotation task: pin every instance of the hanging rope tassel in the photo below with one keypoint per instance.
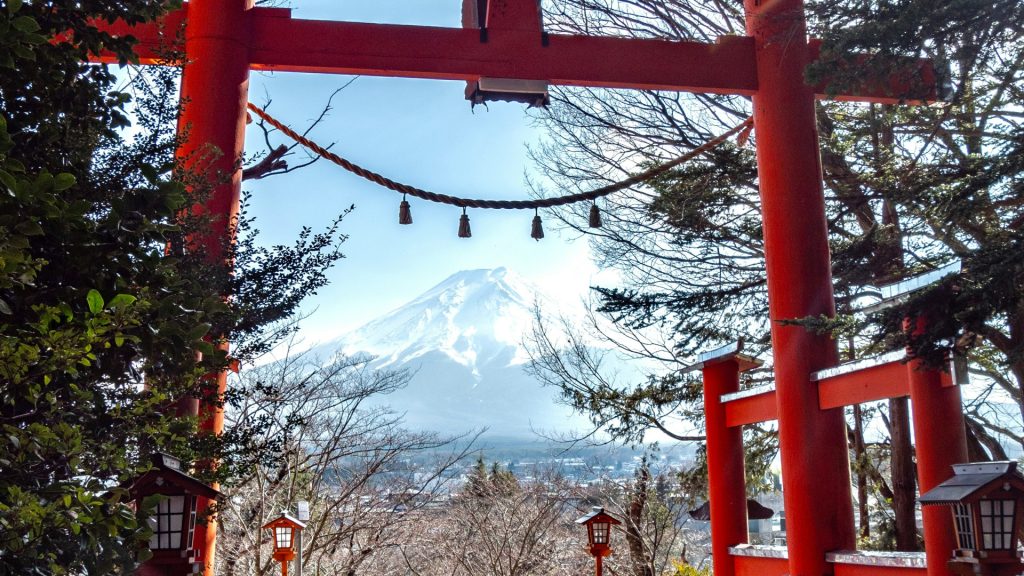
x,y
464,231
537,232
404,212
595,216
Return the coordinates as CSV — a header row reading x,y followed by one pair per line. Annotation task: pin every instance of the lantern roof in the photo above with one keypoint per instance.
x,y
972,482
597,514
166,477
285,519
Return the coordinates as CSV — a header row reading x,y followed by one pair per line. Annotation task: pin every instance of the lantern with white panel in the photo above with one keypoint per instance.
x,y
986,499
599,530
284,531
171,496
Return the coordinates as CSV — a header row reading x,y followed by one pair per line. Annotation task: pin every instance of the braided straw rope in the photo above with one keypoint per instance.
x,y
499,204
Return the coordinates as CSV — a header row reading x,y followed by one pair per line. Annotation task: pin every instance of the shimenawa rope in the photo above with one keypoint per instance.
x,y
358,170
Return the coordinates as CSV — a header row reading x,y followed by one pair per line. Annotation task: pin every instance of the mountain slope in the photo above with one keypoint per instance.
x,y
463,342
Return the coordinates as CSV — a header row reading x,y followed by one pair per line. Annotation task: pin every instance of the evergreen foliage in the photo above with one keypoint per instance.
x,y
498,482
101,293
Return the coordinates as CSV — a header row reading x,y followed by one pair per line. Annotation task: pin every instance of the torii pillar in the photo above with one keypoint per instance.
x,y
812,441
215,90
727,493
941,442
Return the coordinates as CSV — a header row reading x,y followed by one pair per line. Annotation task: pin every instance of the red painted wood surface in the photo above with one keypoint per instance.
x,y
752,409
521,15
281,43
940,442
876,383
215,86
812,442
458,54
751,566
862,570
726,479
916,84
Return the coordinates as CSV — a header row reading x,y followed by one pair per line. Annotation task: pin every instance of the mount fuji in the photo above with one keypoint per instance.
x,y
462,342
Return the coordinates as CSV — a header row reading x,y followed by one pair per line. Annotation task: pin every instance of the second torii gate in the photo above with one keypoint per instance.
x,y
224,39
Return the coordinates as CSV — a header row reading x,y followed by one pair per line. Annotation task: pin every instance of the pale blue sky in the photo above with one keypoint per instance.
x,y
421,132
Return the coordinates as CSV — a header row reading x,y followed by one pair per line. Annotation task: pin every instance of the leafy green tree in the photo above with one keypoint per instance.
x,y
108,317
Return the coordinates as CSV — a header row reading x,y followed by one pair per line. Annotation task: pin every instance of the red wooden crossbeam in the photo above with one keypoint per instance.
x,y
751,409
867,381
153,38
759,566
281,43
458,54
855,385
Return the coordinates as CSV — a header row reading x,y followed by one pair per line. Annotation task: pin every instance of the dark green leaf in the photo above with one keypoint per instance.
x,y
121,300
95,301
63,181
25,24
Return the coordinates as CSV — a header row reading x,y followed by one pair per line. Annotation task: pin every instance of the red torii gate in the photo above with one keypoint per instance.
x,y
224,39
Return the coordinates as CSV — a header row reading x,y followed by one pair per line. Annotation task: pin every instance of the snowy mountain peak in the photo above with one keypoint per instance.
x,y
482,284
475,317
462,342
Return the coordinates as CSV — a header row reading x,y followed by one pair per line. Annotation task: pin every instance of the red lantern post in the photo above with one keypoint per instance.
x,y
284,531
599,530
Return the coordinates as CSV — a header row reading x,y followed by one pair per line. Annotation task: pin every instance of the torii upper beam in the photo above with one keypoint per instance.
x,y
278,42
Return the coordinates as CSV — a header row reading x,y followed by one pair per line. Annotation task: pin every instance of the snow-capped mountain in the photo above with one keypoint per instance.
x,y
463,342
478,318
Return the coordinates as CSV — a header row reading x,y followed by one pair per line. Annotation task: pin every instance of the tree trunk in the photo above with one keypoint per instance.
x,y
903,472
890,260
981,446
860,461
637,505
1016,363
